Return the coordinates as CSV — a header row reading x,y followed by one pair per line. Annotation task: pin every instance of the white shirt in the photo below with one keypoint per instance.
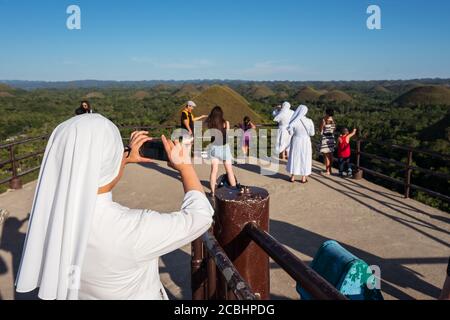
x,y
124,245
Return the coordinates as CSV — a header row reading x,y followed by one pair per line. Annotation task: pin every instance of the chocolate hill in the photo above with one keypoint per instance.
x,y
94,95
424,95
235,107
336,96
307,94
188,91
6,91
141,95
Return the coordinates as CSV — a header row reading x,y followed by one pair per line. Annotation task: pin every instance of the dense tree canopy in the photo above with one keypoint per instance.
x,y
368,106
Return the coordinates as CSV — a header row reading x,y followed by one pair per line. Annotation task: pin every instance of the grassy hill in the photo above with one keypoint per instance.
x,y
188,91
336,96
380,89
439,130
5,94
424,95
235,106
6,91
94,95
5,87
141,95
307,94
260,92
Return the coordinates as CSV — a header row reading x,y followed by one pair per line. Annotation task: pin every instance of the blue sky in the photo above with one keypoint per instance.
x,y
228,39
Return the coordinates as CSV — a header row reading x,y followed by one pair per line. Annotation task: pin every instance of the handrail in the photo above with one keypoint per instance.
x,y
235,282
408,148
315,284
408,167
384,143
262,126
15,143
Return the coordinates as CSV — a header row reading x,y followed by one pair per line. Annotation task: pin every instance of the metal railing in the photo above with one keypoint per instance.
x,y
14,160
14,179
311,281
207,255
241,221
407,167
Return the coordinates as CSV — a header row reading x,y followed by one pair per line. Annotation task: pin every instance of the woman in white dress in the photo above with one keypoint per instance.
x,y
80,243
283,117
300,157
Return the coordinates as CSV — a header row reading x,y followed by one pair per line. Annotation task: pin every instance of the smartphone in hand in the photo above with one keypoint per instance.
x,y
153,149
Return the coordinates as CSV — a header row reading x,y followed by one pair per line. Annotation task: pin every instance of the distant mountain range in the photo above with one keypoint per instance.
x,y
32,85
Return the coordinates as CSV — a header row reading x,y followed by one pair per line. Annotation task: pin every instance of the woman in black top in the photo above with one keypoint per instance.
x,y
219,150
84,107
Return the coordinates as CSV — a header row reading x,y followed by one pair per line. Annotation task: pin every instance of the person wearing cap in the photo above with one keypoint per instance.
x,y
188,119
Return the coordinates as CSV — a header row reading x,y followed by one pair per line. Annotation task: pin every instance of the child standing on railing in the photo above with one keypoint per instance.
x,y
344,151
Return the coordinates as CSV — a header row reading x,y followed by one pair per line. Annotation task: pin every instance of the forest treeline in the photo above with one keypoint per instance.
x,y
376,108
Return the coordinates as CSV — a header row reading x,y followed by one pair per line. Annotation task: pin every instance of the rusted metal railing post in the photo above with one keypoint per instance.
x,y
358,175
211,271
234,209
212,278
408,173
15,182
230,278
197,271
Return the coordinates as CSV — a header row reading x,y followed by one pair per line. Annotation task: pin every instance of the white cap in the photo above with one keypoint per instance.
x,y
191,104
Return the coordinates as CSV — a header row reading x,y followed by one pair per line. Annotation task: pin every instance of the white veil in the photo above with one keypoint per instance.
x,y
299,114
82,154
285,108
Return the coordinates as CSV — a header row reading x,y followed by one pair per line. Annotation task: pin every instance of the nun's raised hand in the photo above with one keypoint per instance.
x,y
177,153
137,139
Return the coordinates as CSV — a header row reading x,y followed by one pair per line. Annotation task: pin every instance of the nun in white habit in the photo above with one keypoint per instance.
x,y
283,117
301,129
81,244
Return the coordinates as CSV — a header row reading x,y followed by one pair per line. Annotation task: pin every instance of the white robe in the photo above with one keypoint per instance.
x,y
124,245
283,117
300,156
75,235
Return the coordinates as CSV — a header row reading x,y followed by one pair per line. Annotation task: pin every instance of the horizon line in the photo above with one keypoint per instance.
x,y
226,80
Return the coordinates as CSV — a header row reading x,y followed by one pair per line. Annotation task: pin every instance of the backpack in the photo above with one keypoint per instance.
x,y
222,181
346,272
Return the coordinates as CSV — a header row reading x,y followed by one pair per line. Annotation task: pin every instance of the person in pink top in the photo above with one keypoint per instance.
x,y
344,151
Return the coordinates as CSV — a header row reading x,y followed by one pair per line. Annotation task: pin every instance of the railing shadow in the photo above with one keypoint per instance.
x,y
308,242
168,172
403,204
257,169
12,241
355,195
177,265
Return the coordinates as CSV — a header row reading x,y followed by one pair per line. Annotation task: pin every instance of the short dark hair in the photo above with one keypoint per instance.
x,y
81,110
344,131
329,112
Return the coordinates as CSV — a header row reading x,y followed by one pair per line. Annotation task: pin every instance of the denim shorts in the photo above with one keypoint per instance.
x,y
222,153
